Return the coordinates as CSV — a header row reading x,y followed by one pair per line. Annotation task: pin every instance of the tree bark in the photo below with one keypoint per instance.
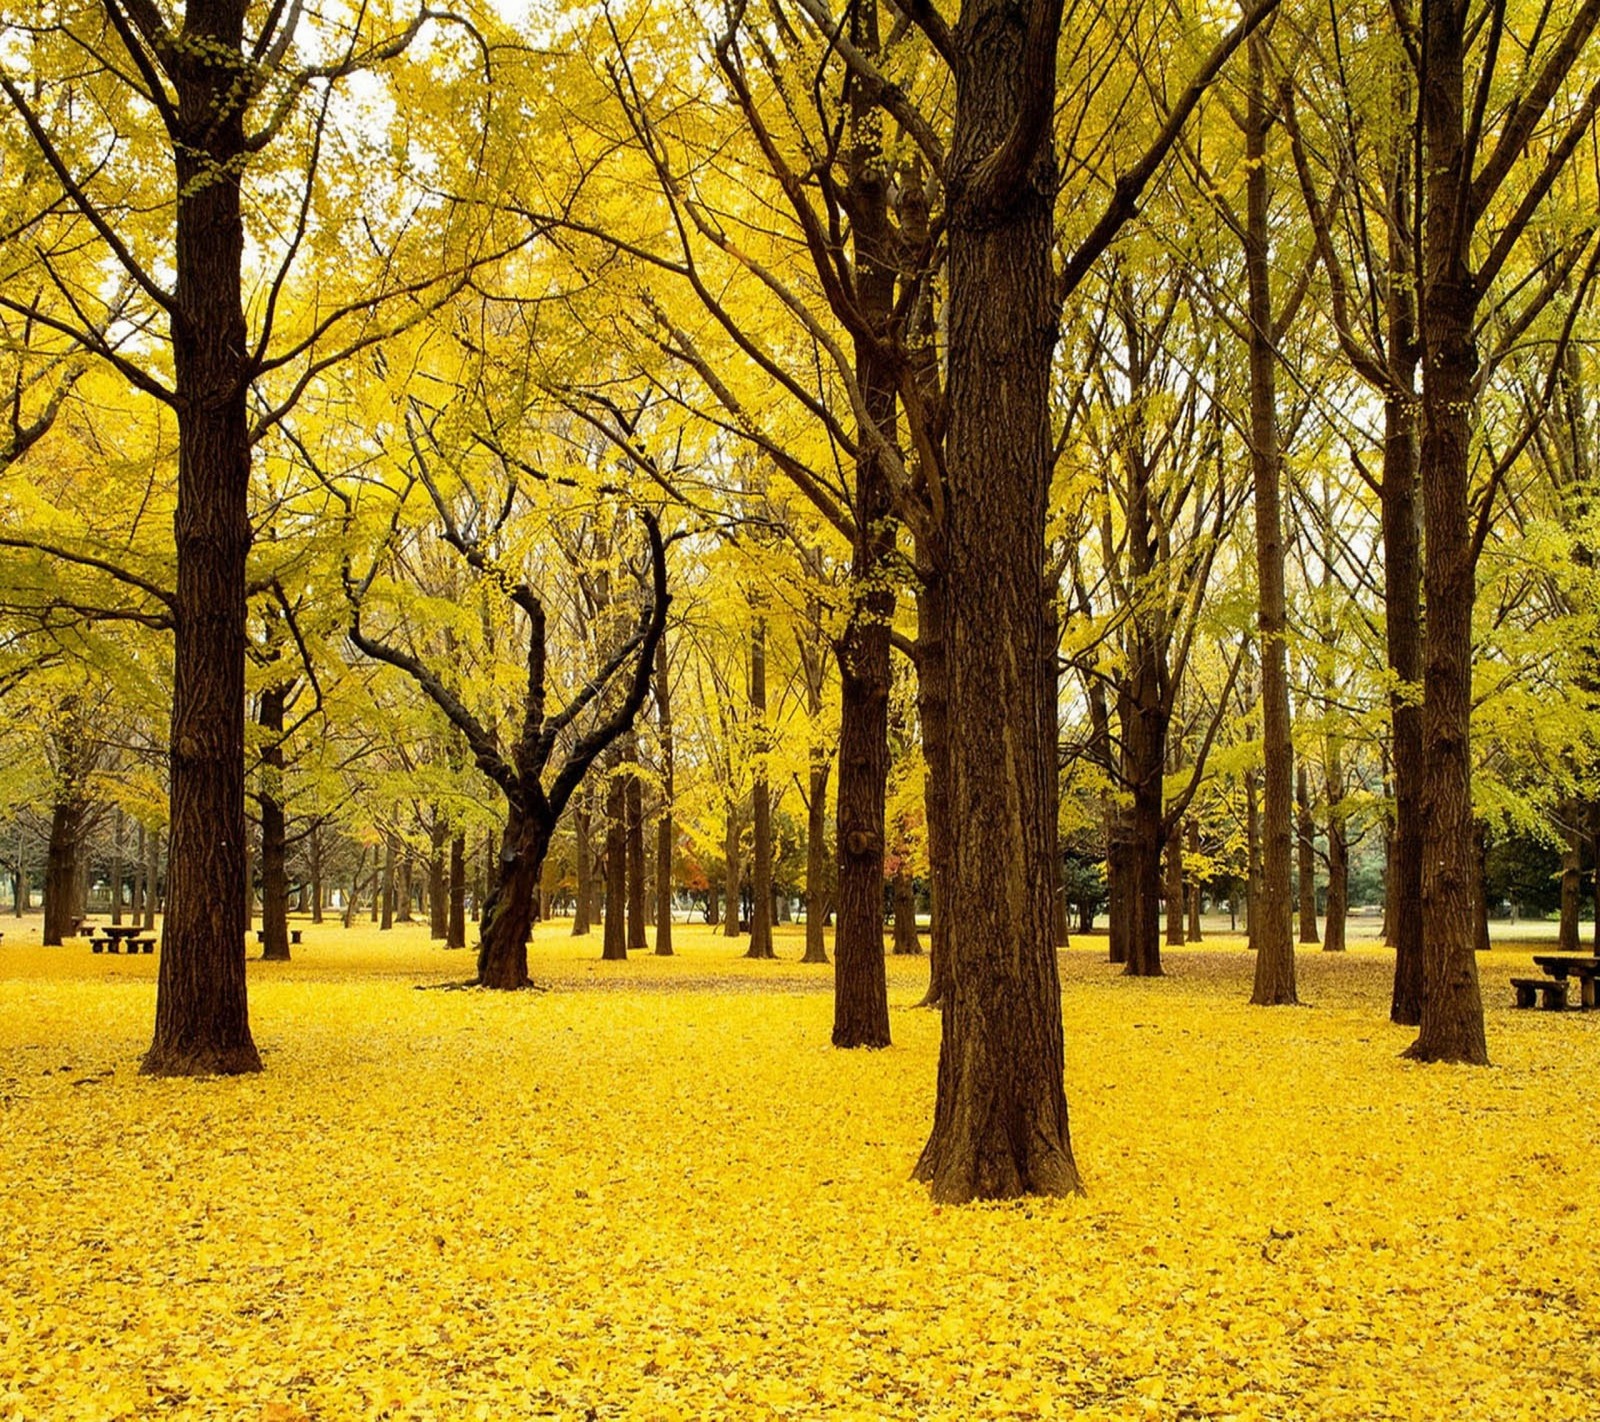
x,y
61,869
318,889
456,928
202,1024
116,866
1194,888
583,907
614,947
385,899
274,878
1175,895
761,802
933,711
1306,835
665,832
1452,1010
1000,1121
731,875
1270,915
633,807
905,912
438,898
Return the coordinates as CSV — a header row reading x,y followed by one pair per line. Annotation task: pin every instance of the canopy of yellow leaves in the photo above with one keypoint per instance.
x,y
655,1191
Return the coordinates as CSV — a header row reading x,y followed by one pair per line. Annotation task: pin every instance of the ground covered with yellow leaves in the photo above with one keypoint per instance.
x,y
655,1191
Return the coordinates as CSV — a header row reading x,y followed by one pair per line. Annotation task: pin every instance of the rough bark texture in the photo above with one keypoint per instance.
x,y
1271,927
905,912
386,892
614,947
202,1022
1452,1011
583,895
1571,891
1000,1122
633,807
456,928
933,711
61,869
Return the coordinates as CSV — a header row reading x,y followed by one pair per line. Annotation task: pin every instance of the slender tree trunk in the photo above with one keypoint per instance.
x,y
1338,906
582,912
136,908
274,878
1252,834
61,870
1194,888
456,928
318,888
1175,894
152,876
614,947
732,876
817,856
665,832
1000,1120
761,803
633,807
386,892
1306,836
202,1024
438,899
1270,916
905,912
116,866
933,711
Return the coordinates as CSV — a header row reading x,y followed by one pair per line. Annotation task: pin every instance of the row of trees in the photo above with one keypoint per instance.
x,y
1138,412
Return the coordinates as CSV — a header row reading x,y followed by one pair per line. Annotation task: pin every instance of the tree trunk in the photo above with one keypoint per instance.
x,y
507,917
582,912
1338,905
1452,1010
614,947
1270,916
318,889
152,875
665,832
438,899
1000,1121
1194,888
202,1024
136,908
933,711
404,887
817,856
61,870
1175,894
116,866
761,803
731,876
1571,891
633,806
274,878
385,901
456,928
1306,836
905,912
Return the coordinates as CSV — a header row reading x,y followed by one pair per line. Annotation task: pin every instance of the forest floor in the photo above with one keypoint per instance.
x,y
673,1199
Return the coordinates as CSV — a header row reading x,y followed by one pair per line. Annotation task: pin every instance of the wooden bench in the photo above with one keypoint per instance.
x,y
1563,966
146,944
1553,991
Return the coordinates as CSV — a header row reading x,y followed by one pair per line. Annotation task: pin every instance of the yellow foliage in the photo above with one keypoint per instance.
x,y
655,1191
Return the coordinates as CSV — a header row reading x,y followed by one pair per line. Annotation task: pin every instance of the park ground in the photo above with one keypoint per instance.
x,y
655,1191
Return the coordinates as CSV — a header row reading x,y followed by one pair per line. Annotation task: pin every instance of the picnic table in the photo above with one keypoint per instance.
x,y
116,934
1552,988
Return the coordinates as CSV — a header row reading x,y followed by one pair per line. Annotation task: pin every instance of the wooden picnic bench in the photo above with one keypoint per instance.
x,y
1560,967
1553,991
136,938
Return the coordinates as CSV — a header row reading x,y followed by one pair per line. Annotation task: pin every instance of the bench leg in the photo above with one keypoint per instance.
x,y
1555,996
1586,992
1524,994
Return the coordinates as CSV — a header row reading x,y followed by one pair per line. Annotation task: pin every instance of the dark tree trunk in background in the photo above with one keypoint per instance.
x,y
152,874
1175,894
1338,905
351,903
1194,888
1480,895
1252,832
385,900
1000,1122
61,870
274,878
732,873
1271,926
1306,845
1571,890
614,947
905,913
583,908
817,857
116,866
933,711
318,889
456,928
405,889
633,808
438,898
202,1022
665,833
136,909
761,803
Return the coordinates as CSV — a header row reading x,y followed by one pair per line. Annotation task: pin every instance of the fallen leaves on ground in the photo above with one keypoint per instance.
x,y
673,1199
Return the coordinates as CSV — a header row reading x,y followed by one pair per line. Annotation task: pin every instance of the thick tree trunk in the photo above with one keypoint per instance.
x,y
274,878
1306,845
202,1024
456,928
1271,928
1000,1122
508,909
761,803
61,870
405,888
665,833
1452,1010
